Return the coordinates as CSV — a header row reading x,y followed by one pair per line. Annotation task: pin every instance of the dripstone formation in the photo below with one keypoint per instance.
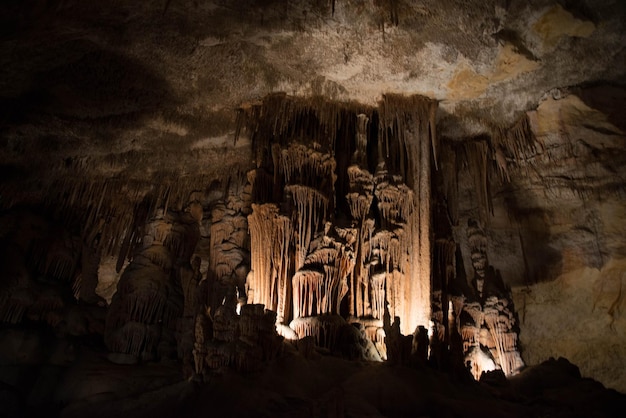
x,y
332,237
339,208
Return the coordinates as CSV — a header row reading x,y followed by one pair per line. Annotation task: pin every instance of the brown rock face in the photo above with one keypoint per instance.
x,y
163,163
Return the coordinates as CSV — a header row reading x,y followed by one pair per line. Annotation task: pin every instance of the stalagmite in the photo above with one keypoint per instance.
x,y
489,329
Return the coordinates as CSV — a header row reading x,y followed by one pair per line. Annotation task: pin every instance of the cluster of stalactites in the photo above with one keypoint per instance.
x,y
285,118
402,118
115,210
310,209
107,217
320,286
489,338
296,141
361,192
379,282
149,295
387,250
270,239
500,322
476,239
514,147
487,158
395,200
301,164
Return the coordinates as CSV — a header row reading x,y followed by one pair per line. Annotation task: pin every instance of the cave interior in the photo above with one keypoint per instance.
x,y
314,209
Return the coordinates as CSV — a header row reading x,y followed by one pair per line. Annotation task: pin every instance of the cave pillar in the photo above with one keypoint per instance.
x,y
412,121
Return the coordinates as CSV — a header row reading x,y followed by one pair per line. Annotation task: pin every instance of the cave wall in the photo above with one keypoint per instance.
x,y
556,234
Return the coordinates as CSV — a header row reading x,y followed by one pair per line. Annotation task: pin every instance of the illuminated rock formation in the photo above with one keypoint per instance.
x,y
487,321
339,236
269,282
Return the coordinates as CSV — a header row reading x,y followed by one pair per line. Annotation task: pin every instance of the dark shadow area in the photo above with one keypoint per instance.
x,y
92,84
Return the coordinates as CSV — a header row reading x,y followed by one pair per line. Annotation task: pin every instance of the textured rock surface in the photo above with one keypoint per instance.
x,y
111,110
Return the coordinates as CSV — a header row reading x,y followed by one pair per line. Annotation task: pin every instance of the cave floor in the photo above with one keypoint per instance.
x,y
318,385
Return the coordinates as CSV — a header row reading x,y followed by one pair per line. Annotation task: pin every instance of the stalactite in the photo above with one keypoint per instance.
x,y
359,157
149,297
411,122
477,155
517,143
14,302
270,235
310,166
260,223
323,288
311,208
378,294
396,201
449,173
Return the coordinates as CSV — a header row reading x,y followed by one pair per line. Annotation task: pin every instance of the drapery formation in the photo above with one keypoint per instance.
x,y
341,221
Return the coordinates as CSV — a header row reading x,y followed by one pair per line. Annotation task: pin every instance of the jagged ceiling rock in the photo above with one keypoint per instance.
x,y
166,75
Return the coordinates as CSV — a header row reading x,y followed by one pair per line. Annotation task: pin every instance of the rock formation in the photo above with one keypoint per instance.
x,y
141,320
208,189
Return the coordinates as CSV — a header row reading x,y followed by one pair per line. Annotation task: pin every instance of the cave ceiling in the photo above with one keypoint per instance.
x,y
89,83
